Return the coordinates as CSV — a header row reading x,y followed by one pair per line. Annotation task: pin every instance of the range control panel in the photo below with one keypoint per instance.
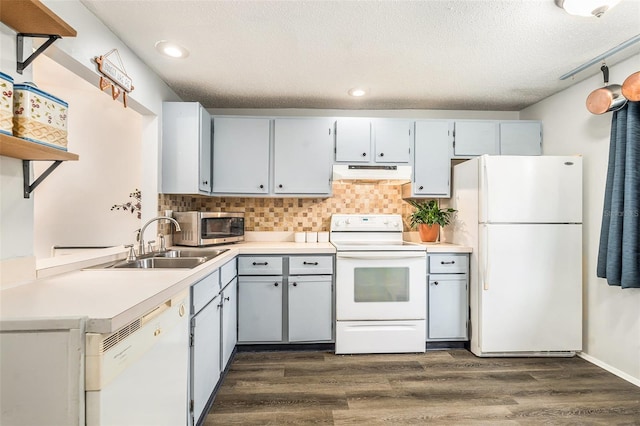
x,y
366,223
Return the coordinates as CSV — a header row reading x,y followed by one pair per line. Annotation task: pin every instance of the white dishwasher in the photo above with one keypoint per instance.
x,y
138,375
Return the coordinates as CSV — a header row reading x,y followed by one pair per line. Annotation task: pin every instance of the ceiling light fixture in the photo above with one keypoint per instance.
x,y
586,7
355,92
171,49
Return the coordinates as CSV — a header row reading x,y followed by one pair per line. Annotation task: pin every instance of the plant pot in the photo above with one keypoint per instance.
x,y
428,233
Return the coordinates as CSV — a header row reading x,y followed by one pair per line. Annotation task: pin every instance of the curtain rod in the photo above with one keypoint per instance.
x,y
599,58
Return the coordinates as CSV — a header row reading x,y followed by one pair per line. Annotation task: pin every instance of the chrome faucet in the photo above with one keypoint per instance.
x,y
141,235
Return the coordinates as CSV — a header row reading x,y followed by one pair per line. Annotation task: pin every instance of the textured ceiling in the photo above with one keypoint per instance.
x,y
434,54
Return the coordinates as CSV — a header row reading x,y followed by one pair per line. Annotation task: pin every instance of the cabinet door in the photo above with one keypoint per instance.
x,y
447,307
521,138
476,138
353,140
241,155
186,150
229,322
205,140
393,140
432,168
205,356
309,308
303,155
260,309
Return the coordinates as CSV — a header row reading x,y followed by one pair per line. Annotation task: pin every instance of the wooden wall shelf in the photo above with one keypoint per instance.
x,y
31,16
10,146
26,151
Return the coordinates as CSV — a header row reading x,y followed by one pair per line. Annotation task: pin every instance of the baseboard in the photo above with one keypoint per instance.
x,y
629,378
286,347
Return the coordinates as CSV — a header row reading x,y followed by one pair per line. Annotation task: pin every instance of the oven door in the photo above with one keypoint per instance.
x,y
381,285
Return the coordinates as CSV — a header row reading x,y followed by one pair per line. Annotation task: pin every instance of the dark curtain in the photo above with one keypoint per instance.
x,y
619,252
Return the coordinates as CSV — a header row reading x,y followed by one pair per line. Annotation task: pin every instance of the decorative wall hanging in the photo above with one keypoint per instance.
x,y
114,76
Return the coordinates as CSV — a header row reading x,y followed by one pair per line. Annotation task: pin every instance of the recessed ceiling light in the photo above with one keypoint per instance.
x,y
586,7
171,49
357,92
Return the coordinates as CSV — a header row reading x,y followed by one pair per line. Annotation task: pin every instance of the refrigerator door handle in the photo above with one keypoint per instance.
x,y
485,198
485,260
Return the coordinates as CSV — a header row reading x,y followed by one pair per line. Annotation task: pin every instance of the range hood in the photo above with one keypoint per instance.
x,y
389,175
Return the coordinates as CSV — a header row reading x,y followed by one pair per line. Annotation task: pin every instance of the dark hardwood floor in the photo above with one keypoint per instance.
x,y
439,387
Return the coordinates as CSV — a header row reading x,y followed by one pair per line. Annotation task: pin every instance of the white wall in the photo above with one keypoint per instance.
x,y
72,206
76,54
17,262
611,315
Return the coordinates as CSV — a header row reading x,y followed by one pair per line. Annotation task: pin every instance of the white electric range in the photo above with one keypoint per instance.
x,y
380,286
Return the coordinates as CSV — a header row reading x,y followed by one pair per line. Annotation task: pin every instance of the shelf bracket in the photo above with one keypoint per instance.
x,y
21,65
26,174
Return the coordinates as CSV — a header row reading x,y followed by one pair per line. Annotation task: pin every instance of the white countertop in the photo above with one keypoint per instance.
x,y
446,248
109,299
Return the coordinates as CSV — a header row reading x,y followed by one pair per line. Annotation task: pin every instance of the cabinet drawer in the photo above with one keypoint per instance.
x,y
204,291
260,265
448,264
316,265
228,272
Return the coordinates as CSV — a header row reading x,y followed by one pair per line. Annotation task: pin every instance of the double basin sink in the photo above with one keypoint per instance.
x,y
169,259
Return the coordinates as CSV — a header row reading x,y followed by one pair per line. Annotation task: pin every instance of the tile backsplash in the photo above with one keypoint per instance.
x,y
299,214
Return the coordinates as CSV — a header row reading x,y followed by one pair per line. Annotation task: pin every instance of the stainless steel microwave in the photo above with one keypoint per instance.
x,y
208,228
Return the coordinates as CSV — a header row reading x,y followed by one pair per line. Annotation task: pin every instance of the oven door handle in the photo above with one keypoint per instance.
x,y
382,256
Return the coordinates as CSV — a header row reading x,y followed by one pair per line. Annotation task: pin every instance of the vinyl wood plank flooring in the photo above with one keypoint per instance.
x,y
440,387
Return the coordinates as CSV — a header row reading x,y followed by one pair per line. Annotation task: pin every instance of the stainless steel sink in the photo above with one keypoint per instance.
x,y
181,253
161,262
170,259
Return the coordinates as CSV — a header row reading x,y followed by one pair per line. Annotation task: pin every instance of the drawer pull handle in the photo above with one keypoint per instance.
x,y
448,263
310,263
226,298
435,283
260,263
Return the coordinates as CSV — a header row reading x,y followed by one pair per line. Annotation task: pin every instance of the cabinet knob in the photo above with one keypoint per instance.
x,y
280,186
261,186
381,154
421,187
364,154
295,284
275,284
226,298
435,283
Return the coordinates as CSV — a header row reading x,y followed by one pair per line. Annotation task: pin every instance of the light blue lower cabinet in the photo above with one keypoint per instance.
x,y
285,308
448,297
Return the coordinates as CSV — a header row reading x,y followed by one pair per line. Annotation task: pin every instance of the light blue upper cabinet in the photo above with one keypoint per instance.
x,y
303,155
353,140
186,148
520,138
392,140
476,137
432,156
240,155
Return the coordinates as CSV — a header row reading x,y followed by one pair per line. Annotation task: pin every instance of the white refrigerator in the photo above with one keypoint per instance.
x,y
522,215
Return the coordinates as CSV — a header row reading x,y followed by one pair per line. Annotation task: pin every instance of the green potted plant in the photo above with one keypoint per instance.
x,y
428,217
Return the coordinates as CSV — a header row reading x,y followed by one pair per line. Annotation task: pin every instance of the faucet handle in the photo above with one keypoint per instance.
x,y
163,246
131,256
150,246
